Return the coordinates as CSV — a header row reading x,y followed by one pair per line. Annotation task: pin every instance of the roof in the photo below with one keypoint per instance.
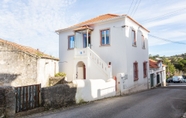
x,y
29,50
154,64
101,18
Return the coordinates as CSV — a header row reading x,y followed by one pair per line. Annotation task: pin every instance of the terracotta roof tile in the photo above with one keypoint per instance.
x,y
99,18
153,63
27,49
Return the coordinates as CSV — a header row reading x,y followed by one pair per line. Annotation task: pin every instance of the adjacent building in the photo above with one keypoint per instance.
x,y
22,65
157,73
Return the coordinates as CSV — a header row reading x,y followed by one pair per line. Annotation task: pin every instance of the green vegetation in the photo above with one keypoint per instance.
x,y
60,74
175,64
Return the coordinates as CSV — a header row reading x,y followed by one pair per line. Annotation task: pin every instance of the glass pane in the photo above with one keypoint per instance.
x,y
133,38
107,37
71,41
102,37
85,41
103,40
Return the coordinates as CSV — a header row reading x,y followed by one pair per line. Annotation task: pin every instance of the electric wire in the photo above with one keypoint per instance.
x,y
164,15
136,8
167,40
130,6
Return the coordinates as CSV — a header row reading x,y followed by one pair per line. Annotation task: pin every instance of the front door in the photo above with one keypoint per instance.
x,y
85,41
151,80
158,78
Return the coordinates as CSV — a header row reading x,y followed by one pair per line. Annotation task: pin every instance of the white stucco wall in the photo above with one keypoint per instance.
x,y
136,54
93,89
66,56
120,52
162,73
46,68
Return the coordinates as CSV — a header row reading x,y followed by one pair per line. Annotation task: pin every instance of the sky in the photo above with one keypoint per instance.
x,y
33,22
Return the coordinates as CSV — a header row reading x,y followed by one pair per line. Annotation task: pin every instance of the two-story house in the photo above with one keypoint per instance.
x,y
104,47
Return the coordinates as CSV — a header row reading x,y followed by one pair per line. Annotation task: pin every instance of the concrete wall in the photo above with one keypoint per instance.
x,y
16,68
61,95
46,68
93,89
7,101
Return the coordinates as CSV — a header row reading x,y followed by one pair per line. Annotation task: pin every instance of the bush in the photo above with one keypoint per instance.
x,y
60,74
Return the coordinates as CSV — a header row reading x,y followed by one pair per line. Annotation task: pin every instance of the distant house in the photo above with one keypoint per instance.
x,y
157,73
106,47
22,65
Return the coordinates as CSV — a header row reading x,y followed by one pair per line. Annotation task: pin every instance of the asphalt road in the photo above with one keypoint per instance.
x,y
169,102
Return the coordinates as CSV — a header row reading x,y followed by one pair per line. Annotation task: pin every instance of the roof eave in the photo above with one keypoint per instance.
x,y
137,23
72,27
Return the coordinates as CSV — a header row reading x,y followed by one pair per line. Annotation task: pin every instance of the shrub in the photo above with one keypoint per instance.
x,y
60,74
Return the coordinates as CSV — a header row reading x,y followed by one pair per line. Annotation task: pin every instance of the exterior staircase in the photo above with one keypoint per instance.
x,y
90,55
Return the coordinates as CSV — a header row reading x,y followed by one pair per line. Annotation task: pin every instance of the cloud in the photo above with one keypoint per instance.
x,y
33,22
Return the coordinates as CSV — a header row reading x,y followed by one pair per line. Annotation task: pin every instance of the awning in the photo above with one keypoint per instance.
x,y
83,28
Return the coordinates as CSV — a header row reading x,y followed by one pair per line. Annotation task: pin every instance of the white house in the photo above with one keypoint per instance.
x,y
157,73
104,48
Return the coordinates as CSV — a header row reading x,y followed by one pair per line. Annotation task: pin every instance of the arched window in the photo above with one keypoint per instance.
x,y
133,37
143,41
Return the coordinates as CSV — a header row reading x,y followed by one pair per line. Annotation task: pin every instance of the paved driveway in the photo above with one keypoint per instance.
x,y
169,102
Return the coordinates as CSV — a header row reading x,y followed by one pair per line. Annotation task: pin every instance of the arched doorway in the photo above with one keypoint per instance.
x,y
80,70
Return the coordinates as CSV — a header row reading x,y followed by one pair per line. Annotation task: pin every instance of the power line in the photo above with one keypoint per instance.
x,y
136,7
167,40
130,6
164,15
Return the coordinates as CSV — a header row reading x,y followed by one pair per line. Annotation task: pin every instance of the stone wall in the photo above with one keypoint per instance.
x,y
56,80
16,67
61,95
7,104
2,102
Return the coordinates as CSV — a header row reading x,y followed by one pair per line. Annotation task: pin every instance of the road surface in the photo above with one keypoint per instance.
x,y
169,102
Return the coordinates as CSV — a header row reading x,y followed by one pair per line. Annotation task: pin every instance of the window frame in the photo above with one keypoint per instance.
x,y
134,41
143,41
135,71
144,69
101,37
69,42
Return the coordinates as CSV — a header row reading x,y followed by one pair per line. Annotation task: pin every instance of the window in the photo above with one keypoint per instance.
x,y
133,38
144,69
143,41
71,42
105,37
135,66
